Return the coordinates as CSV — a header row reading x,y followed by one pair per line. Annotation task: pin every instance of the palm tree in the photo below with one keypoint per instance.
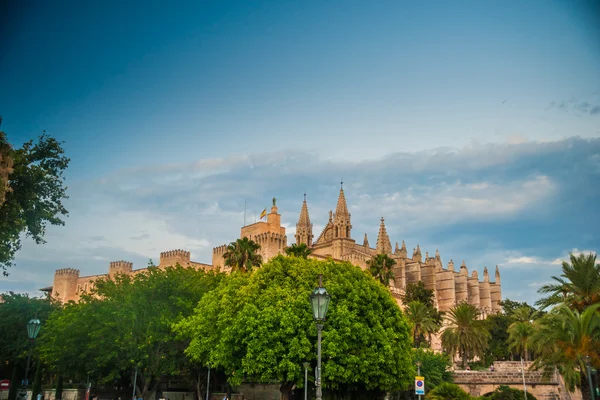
x,y
298,250
466,333
380,268
521,330
577,287
564,338
423,323
242,255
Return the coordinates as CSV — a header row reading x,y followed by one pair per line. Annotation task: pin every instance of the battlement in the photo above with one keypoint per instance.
x,y
178,253
122,266
67,271
220,249
269,235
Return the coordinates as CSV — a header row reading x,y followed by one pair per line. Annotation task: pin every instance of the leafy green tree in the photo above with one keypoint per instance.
x,y
578,286
466,333
422,322
435,367
6,163
126,323
563,339
510,306
35,195
259,327
298,250
448,391
381,268
508,393
497,349
242,255
416,291
15,312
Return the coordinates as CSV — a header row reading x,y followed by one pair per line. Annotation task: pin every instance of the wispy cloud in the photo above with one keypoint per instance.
x,y
581,106
486,204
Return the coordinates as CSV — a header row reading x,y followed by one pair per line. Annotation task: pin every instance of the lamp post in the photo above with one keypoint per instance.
x,y
589,374
306,365
319,300
33,328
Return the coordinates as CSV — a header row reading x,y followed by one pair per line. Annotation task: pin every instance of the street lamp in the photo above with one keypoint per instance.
x,y
33,328
589,374
306,365
319,299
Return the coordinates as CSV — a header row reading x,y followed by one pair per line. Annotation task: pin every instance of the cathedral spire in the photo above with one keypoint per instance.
x,y
402,252
384,246
341,218
342,209
366,242
304,227
417,254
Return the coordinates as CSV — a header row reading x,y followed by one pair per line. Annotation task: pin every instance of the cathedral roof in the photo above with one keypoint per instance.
x,y
383,240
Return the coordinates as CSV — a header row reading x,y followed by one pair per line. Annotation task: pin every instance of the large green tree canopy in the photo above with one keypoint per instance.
x,y
33,194
259,327
126,323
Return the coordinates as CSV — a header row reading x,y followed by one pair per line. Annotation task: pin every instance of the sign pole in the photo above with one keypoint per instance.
x,y
419,382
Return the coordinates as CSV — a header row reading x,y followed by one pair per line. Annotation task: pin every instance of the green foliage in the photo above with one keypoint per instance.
x,y
381,268
423,324
497,349
508,393
447,391
259,327
242,255
298,250
435,367
15,312
563,338
578,286
521,330
510,306
35,197
418,292
466,334
127,323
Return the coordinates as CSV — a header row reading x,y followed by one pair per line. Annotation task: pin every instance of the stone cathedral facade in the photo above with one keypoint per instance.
x,y
450,286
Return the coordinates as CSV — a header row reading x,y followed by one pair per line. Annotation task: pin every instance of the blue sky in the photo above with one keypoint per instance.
x,y
472,127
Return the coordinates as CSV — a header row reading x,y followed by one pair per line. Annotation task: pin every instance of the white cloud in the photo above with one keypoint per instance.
x,y
536,261
135,214
539,284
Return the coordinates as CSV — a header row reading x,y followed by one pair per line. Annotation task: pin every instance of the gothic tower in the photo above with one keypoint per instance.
x,y
304,227
341,218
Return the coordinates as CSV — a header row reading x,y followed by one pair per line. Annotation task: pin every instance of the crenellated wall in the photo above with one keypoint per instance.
x,y
69,286
64,287
119,267
173,257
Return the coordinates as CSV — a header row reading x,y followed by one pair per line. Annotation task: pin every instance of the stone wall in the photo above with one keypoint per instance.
x,y
258,391
508,373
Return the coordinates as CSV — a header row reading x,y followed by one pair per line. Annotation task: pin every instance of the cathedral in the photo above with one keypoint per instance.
x,y
449,286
